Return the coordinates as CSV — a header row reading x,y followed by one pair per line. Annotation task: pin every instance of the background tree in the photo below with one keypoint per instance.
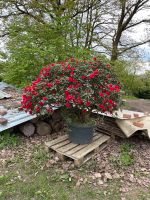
x,y
39,32
122,19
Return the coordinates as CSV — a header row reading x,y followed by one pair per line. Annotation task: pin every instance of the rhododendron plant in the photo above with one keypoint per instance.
x,y
74,85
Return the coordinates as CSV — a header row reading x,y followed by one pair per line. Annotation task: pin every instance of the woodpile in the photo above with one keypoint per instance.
x,y
43,126
27,129
108,126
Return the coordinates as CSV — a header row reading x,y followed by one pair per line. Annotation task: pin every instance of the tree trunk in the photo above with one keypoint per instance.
x,y
114,55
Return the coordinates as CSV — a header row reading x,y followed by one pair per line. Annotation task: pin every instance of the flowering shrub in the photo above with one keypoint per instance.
x,y
73,84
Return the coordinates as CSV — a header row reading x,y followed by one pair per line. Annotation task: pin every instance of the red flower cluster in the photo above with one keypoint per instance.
x,y
73,83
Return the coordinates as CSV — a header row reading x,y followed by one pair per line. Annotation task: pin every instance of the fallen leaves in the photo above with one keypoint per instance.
x,y
98,172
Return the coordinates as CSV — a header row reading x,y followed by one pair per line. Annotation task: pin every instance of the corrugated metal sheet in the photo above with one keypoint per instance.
x,y
4,95
4,85
16,117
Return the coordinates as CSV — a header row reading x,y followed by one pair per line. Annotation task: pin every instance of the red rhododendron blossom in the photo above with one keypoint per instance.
x,y
102,107
107,93
101,94
68,105
92,76
84,111
117,88
79,101
49,85
80,84
71,79
37,109
96,72
45,98
57,82
72,73
38,80
67,92
70,97
88,103
83,77
41,103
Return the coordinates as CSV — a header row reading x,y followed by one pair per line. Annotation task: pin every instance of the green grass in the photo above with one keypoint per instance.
x,y
125,158
45,186
9,140
129,97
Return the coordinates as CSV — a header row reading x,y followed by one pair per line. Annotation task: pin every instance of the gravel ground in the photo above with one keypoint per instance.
x,y
140,105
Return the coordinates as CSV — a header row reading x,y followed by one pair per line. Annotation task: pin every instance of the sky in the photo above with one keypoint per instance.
x,y
140,32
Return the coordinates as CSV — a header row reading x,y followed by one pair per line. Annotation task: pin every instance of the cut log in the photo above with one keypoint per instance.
x,y
57,125
28,129
43,128
35,120
56,116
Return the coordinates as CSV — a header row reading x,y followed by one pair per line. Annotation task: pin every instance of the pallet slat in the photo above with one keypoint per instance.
x,y
60,139
79,153
90,147
67,147
79,147
60,144
72,145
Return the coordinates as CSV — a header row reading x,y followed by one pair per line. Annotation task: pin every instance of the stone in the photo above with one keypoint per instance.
x,y
3,121
116,176
100,182
3,112
97,175
127,116
108,175
136,115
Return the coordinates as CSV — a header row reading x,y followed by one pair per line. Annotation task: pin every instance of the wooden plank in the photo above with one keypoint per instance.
x,y
60,144
53,142
67,147
81,161
79,147
79,153
90,147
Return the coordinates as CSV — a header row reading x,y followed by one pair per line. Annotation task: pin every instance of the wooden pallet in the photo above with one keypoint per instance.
x,y
78,153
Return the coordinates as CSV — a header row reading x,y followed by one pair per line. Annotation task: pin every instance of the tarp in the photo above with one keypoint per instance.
x,y
128,127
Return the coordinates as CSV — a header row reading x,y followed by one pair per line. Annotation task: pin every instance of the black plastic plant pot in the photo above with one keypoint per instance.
x,y
81,135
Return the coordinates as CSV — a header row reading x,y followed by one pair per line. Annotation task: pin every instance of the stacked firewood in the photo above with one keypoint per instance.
x,y
108,126
43,126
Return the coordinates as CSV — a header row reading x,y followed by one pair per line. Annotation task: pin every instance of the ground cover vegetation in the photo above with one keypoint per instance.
x,y
27,171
